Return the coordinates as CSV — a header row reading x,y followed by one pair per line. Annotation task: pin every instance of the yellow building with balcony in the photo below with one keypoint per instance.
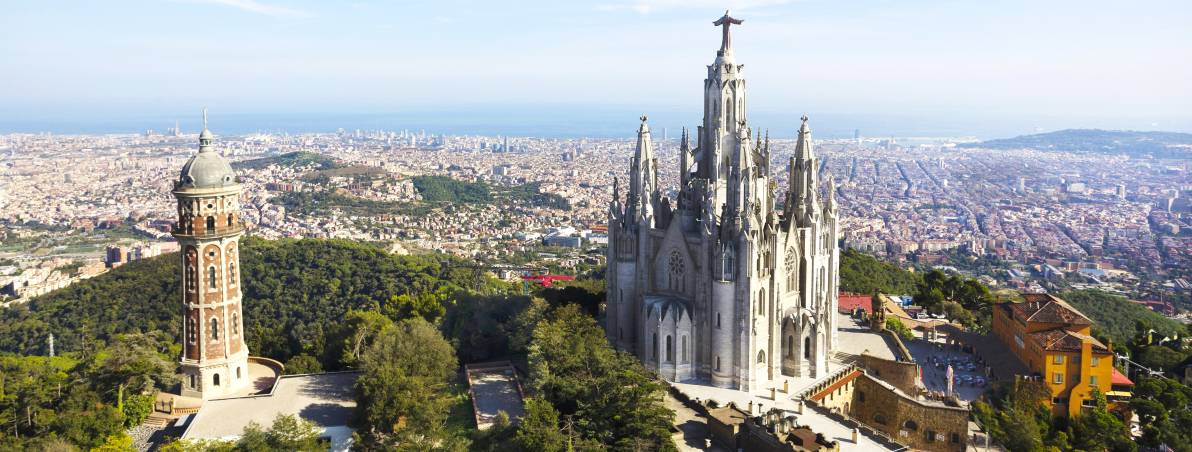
x,y
1054,341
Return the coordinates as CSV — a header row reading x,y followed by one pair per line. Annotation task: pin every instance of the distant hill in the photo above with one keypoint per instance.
x,y
1095,141
290,160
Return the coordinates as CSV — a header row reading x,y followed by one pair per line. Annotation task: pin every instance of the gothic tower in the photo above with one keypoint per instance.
x,y
214,356
725,286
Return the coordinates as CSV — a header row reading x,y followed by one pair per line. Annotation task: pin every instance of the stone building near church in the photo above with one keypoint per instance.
x,y
214,356
730,282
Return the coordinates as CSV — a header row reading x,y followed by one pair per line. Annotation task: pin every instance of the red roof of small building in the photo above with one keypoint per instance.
x,y
1119,379
851,301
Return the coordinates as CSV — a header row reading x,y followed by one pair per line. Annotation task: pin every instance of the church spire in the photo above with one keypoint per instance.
x,y
684,159
644,182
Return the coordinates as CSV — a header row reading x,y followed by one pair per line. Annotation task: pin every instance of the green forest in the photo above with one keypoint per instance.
x,y
296,159
321,305
408,322
444,189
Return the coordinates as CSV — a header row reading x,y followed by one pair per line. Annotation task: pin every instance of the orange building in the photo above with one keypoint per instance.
x,y
1054,341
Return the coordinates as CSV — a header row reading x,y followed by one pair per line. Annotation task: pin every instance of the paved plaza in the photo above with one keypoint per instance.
x,y
325,399
854,340
495,389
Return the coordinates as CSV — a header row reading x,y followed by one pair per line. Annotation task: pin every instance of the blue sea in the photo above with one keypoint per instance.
x,y
559,122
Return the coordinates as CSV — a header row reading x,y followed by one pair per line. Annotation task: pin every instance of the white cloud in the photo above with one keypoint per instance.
x,y
649,6
254,6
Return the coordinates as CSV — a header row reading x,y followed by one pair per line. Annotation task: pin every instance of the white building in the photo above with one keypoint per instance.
x,y
724,285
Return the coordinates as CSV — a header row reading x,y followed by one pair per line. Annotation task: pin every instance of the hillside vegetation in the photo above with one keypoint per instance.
x,y
862,273
296,159
296,287
1095,141
1117,318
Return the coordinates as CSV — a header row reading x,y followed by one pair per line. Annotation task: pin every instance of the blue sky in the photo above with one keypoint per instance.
x,y
1049,63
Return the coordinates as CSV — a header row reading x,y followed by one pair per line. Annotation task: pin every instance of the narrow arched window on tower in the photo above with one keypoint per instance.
x,y
235,324
214,329
229,220
210,225
654,347
670,350
806,348
684,355
211,283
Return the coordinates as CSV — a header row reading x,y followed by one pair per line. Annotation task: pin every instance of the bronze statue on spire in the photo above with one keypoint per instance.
x,y
726,21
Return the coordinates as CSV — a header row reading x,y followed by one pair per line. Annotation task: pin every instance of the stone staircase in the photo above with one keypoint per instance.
x,y
159,420
847,359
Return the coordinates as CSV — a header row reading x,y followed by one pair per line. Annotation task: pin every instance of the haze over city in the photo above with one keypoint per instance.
x,y
986,69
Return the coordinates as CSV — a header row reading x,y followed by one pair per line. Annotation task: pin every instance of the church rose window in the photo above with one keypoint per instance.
x,y
676,268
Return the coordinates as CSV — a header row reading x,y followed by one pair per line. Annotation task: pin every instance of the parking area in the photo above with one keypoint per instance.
x,y
971,375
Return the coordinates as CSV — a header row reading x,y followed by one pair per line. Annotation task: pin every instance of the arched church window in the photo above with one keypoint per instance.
x,y
807,348
214,329
232,274
718,363
229,220
684,355
235,324
803,288
761,356
761,302
670,350
654,347
911,425
726,264
790,269
215,379
210,225
211,277
790,346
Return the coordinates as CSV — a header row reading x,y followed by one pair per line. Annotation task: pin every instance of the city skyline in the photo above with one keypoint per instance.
x,y
983,70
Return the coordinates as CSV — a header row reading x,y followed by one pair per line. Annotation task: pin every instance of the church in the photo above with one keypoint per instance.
x,y
731,282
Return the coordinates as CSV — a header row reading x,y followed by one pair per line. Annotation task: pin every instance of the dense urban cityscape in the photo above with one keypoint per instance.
x,y
417,282
1026,219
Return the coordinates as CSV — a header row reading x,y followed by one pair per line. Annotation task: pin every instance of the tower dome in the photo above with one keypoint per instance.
x,y
206,169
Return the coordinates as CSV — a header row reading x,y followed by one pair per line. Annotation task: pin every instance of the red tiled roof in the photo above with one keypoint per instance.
x,y
851,301
1066,341
1047,308
1119,379
836,385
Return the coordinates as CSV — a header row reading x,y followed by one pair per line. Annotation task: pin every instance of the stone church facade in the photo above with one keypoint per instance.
x,y
214,356
730,283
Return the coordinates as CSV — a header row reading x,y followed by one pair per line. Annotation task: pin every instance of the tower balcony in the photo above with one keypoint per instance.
x,y
204,233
